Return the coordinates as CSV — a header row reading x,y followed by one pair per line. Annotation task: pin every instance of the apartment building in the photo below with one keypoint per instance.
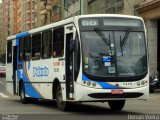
x,y
23,15
28,14
2,31
113,6
6,28
74,7
56,10
47,11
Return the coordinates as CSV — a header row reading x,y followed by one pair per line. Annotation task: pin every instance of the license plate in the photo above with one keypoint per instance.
x,y
117,91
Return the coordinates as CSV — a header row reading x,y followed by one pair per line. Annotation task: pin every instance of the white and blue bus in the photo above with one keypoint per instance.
x,y
86,58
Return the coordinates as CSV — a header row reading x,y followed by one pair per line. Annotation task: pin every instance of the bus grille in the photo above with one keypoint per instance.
x,y
109,95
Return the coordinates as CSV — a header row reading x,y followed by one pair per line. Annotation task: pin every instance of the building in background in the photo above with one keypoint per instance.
x,y
44,12
22,15
37,4
2,29
56,11
15,15
113,6
5,20
149,10
47,11
28,14
74,7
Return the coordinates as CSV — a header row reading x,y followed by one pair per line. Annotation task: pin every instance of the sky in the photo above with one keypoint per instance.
x,y
0,1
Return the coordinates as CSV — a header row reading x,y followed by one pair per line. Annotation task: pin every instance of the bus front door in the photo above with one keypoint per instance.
x,y
69,65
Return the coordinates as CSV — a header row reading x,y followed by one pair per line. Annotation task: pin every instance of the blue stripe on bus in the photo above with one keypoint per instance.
x,y
104,85
84,78
20,35
30,90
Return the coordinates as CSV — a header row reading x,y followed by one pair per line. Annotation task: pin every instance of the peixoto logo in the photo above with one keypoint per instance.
x,y
40,71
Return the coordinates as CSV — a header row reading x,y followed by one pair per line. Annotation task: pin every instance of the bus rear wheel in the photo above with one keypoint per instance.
x,y
116,104
62,105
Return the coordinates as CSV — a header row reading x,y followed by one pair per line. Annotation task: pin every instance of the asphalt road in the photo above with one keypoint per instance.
x,y
12,109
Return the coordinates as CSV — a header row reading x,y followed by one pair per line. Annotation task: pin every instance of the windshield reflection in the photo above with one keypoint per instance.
x,y
114,53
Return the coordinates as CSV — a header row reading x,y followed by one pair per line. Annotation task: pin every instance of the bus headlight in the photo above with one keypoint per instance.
x,y
142,83
89,84
93,84
138,83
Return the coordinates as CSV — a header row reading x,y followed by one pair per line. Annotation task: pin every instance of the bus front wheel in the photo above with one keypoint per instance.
x,y
116,104
62,105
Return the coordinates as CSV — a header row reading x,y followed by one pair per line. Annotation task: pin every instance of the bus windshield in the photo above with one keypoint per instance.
x,y
111,53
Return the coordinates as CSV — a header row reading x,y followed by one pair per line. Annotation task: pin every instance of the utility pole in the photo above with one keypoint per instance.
x,y
63,9
81,7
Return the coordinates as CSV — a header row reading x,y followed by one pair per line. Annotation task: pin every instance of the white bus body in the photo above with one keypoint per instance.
x,y
63,61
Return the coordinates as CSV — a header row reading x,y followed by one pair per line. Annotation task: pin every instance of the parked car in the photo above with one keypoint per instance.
x,y
2,69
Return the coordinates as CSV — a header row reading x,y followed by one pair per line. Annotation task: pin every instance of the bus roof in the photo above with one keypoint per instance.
x,y
69,20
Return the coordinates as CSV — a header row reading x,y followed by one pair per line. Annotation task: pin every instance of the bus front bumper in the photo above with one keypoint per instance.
x,y
83,93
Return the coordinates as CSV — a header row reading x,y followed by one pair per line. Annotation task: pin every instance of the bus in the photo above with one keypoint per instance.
x,y
85,58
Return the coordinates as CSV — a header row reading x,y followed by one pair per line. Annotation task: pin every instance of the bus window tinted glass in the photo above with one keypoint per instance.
x,y
46,44
58,42
36,46
9,51
27,47
21,49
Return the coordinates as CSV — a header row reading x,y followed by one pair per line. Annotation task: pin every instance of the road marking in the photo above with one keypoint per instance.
x,y
153,97
2,83
3,95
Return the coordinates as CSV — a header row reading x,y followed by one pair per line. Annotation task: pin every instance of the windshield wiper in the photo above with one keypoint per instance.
x,y
123,41
105,40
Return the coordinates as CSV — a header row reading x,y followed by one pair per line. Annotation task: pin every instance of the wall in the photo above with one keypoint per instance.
x,y
151,26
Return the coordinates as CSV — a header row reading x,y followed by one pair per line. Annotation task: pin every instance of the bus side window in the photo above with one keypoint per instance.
x,y
21,49
46,44
9,51
58,42
36,46
27,48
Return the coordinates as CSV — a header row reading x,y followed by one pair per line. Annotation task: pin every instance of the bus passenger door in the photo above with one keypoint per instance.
x,y
14,76
11,67
69,33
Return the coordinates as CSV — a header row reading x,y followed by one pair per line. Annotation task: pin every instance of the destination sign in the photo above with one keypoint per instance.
x,y
122,22
90,22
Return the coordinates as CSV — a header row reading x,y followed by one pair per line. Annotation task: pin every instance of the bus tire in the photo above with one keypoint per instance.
x,y
23,97
61,105
116,104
